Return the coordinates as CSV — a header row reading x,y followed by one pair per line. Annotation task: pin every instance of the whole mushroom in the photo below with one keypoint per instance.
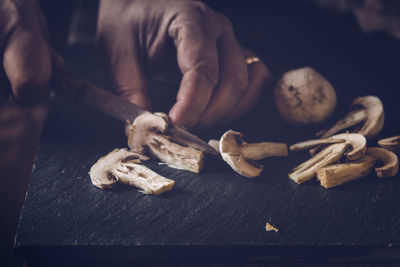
x,y
303,96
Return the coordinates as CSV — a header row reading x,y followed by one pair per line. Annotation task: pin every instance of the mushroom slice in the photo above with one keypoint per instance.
x,y
123,166
148,135
337,174
391,143
367,117
306,171
241,156
313,143
214,144
357,142
389,161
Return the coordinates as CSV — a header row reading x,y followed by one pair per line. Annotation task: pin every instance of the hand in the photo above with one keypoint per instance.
x,y
24,76
185,40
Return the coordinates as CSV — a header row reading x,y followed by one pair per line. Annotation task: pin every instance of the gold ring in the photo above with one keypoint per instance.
x,y
251,60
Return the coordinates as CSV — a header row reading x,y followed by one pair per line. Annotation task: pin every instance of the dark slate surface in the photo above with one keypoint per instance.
x,y
218,214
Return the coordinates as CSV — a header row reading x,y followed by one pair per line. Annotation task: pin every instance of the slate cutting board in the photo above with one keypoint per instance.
x,y
219,215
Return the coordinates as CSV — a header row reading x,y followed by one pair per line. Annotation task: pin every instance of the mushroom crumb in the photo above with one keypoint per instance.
x,y
269,227
121,165
148,136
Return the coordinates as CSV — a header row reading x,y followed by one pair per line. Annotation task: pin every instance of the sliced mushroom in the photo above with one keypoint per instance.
x,y
389,163
147,135
241,156
306,171
338,174
313,143
357,142
214,143
123,166
367,118
391,143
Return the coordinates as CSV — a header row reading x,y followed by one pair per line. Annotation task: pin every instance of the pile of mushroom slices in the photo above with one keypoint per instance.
x,y
341,158
148,138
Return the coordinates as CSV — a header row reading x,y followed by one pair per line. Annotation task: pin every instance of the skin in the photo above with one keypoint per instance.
x,y
179,41
24,76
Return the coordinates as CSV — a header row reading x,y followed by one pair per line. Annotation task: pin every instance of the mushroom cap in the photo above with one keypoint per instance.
x,y
358,145
141,128
375,115
229,147
304,96
389,160
391,143
101,172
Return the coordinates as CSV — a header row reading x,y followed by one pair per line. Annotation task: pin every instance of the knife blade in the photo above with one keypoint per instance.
x,y
80,90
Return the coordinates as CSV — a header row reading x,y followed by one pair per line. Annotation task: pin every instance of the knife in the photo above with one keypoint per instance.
x,y
80,90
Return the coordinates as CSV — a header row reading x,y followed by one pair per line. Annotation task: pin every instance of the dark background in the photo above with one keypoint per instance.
x,y
285,35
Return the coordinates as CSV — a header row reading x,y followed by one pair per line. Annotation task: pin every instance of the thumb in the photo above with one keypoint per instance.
x,y
126,70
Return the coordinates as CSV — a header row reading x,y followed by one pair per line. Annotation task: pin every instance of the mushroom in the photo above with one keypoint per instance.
x,y
303,96
353,146
391,143
389,161
367,117
328,155
338,174
241,156
148,135
357,142
121,165
214,144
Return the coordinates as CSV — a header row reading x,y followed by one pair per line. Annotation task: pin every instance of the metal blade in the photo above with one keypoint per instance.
x,y
80,90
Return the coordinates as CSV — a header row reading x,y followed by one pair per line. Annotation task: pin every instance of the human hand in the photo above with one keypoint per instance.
x,y
181,40
24,75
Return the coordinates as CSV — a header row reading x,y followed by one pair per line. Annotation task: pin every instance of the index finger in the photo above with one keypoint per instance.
x,y
198,61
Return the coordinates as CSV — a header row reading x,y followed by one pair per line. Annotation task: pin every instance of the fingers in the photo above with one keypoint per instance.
x,y
123,63
232,83
259,79
26,59
198,61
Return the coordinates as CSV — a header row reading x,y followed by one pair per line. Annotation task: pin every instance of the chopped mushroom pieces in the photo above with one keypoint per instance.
x,y
391,143
366,118
123,166
353,146
269,227
338,174
241,156
148,135
328,155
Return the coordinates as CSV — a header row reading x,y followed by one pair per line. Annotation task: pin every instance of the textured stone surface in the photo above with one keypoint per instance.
x,y
219,214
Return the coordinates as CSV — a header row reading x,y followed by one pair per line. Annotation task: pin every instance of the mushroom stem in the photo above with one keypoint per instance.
x,y
351,119
307,170
338,174
314,142
257,151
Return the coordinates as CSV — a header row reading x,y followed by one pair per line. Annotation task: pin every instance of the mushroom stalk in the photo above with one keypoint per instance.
x,y
338,174
257,151
307,170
